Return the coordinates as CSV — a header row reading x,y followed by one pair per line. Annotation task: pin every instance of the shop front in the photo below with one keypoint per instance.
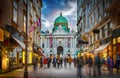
x,y
15,47
4,50
115,42
104,51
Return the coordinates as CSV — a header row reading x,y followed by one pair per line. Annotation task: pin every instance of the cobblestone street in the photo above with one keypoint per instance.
x,y
56,73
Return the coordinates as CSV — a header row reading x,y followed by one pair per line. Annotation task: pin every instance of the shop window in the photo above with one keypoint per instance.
x,y
103,31
15,11
114,41
118,40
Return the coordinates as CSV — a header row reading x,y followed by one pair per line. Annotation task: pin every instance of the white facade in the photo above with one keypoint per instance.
x,y
58,39
61,41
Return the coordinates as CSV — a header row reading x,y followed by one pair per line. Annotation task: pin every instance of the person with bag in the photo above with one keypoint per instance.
x,y
69,61
80,64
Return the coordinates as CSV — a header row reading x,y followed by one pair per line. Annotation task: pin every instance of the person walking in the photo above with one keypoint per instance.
x,y
54,61
69,61
41,62
110,64
98,64
103,63
58,62
80,64
45,61
61,61
118,62
48,62
90,62
35,63
65,62
75,61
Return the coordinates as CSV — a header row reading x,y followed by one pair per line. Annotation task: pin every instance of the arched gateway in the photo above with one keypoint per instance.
x,y
60,50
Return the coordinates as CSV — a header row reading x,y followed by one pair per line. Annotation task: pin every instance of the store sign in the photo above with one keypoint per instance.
x,y
1,35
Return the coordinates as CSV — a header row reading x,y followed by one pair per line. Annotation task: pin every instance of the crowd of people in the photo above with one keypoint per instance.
x,y
55,62
98,64
95,63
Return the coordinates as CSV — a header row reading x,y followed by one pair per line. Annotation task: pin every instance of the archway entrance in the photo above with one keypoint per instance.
x,y
60,50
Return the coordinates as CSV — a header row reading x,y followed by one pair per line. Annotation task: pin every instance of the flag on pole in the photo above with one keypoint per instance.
x,y
34,25
38,22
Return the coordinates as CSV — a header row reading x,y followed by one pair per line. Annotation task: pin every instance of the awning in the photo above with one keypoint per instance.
x,y
19,42
101,48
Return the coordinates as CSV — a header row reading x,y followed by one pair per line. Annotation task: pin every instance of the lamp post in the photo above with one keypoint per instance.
x,y
26,41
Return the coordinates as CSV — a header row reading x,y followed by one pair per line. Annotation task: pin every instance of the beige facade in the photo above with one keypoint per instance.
x,y
13,23
97,20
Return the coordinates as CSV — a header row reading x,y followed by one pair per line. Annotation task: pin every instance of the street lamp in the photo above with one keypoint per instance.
x,y
26,41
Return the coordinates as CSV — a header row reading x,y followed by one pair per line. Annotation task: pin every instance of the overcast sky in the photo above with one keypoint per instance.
x,y
51,10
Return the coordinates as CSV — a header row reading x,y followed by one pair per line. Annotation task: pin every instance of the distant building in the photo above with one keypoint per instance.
x,y
61,42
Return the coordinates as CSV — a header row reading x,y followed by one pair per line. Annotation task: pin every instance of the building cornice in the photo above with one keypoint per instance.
x,y
99,24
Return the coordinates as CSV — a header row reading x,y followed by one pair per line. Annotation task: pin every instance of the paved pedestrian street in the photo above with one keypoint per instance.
x,y
56,73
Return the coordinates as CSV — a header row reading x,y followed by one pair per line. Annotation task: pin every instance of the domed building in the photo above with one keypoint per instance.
x,y
61,41
61,21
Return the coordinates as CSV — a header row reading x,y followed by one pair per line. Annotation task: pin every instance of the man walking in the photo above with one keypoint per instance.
x,y
80,64
90,62
98,64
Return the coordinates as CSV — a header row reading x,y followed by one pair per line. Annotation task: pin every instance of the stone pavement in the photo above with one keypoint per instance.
x,y
57,73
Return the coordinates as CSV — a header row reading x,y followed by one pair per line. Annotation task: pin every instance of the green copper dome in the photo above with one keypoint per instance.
x,y
60,20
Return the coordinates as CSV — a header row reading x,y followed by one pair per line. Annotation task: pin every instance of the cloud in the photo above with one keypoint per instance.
x,y
52,10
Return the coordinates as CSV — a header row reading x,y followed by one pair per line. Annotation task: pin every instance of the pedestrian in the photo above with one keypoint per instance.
x,y
110,64
54,61
35,63
98,64
103,63
48,62
90,62
58,62
118,62
45,61
61,61
41,62
75,61
65,62
69,61
80,64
